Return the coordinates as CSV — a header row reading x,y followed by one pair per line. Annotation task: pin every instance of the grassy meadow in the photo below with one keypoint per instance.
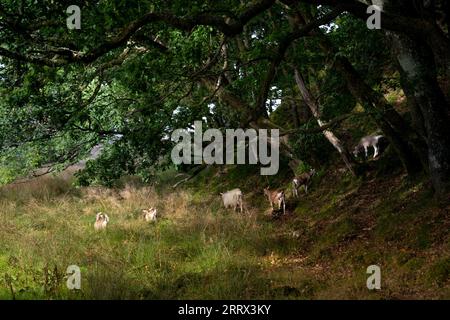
x,y
198,250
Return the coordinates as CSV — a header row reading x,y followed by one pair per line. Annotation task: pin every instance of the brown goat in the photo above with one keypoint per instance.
x,y
302,180
276,196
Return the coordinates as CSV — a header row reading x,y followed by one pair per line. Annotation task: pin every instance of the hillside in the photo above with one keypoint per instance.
x,y
128,127
198,250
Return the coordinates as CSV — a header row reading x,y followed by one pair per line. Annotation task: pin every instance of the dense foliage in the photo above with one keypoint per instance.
x,y
136,70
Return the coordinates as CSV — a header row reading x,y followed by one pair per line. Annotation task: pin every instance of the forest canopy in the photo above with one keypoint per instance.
x,y
137,70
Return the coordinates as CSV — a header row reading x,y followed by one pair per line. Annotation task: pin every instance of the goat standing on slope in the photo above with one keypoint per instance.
x,y
101,220
302,180
233,199
277,197
366,142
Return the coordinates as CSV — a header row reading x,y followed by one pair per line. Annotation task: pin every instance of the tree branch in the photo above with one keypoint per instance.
x,y
284,46
228,26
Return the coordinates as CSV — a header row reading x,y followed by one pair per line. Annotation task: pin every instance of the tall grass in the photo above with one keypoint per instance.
x,y
195,250
198,250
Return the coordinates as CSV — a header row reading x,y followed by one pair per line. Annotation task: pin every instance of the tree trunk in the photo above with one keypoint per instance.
x,y
295,115
425,28
408,145
416,60
416,113
331,137
406,17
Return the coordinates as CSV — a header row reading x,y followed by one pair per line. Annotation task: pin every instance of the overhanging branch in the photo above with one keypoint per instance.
x,y
284,46
228,26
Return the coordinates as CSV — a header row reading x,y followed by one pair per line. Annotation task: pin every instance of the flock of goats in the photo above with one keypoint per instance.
x,y
234,198
231,199
102,219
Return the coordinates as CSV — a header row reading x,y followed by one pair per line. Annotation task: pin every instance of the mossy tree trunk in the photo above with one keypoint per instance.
x,y
419,71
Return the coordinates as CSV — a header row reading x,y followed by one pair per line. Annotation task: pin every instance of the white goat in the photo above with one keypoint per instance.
x,y
233,199
365,143
150,214
101,220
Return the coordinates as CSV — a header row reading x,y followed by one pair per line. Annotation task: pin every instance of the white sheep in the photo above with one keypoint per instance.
x,y
101,220
233,199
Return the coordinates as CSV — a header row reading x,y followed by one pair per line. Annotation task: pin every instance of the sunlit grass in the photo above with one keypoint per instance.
x,y
198,250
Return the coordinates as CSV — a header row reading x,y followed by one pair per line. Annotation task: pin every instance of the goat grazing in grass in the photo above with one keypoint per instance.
x,y
302,180
150,214
101,220
233,199
276,196
366,142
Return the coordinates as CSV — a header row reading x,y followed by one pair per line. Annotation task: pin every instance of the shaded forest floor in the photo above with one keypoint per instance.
x,y
198,250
